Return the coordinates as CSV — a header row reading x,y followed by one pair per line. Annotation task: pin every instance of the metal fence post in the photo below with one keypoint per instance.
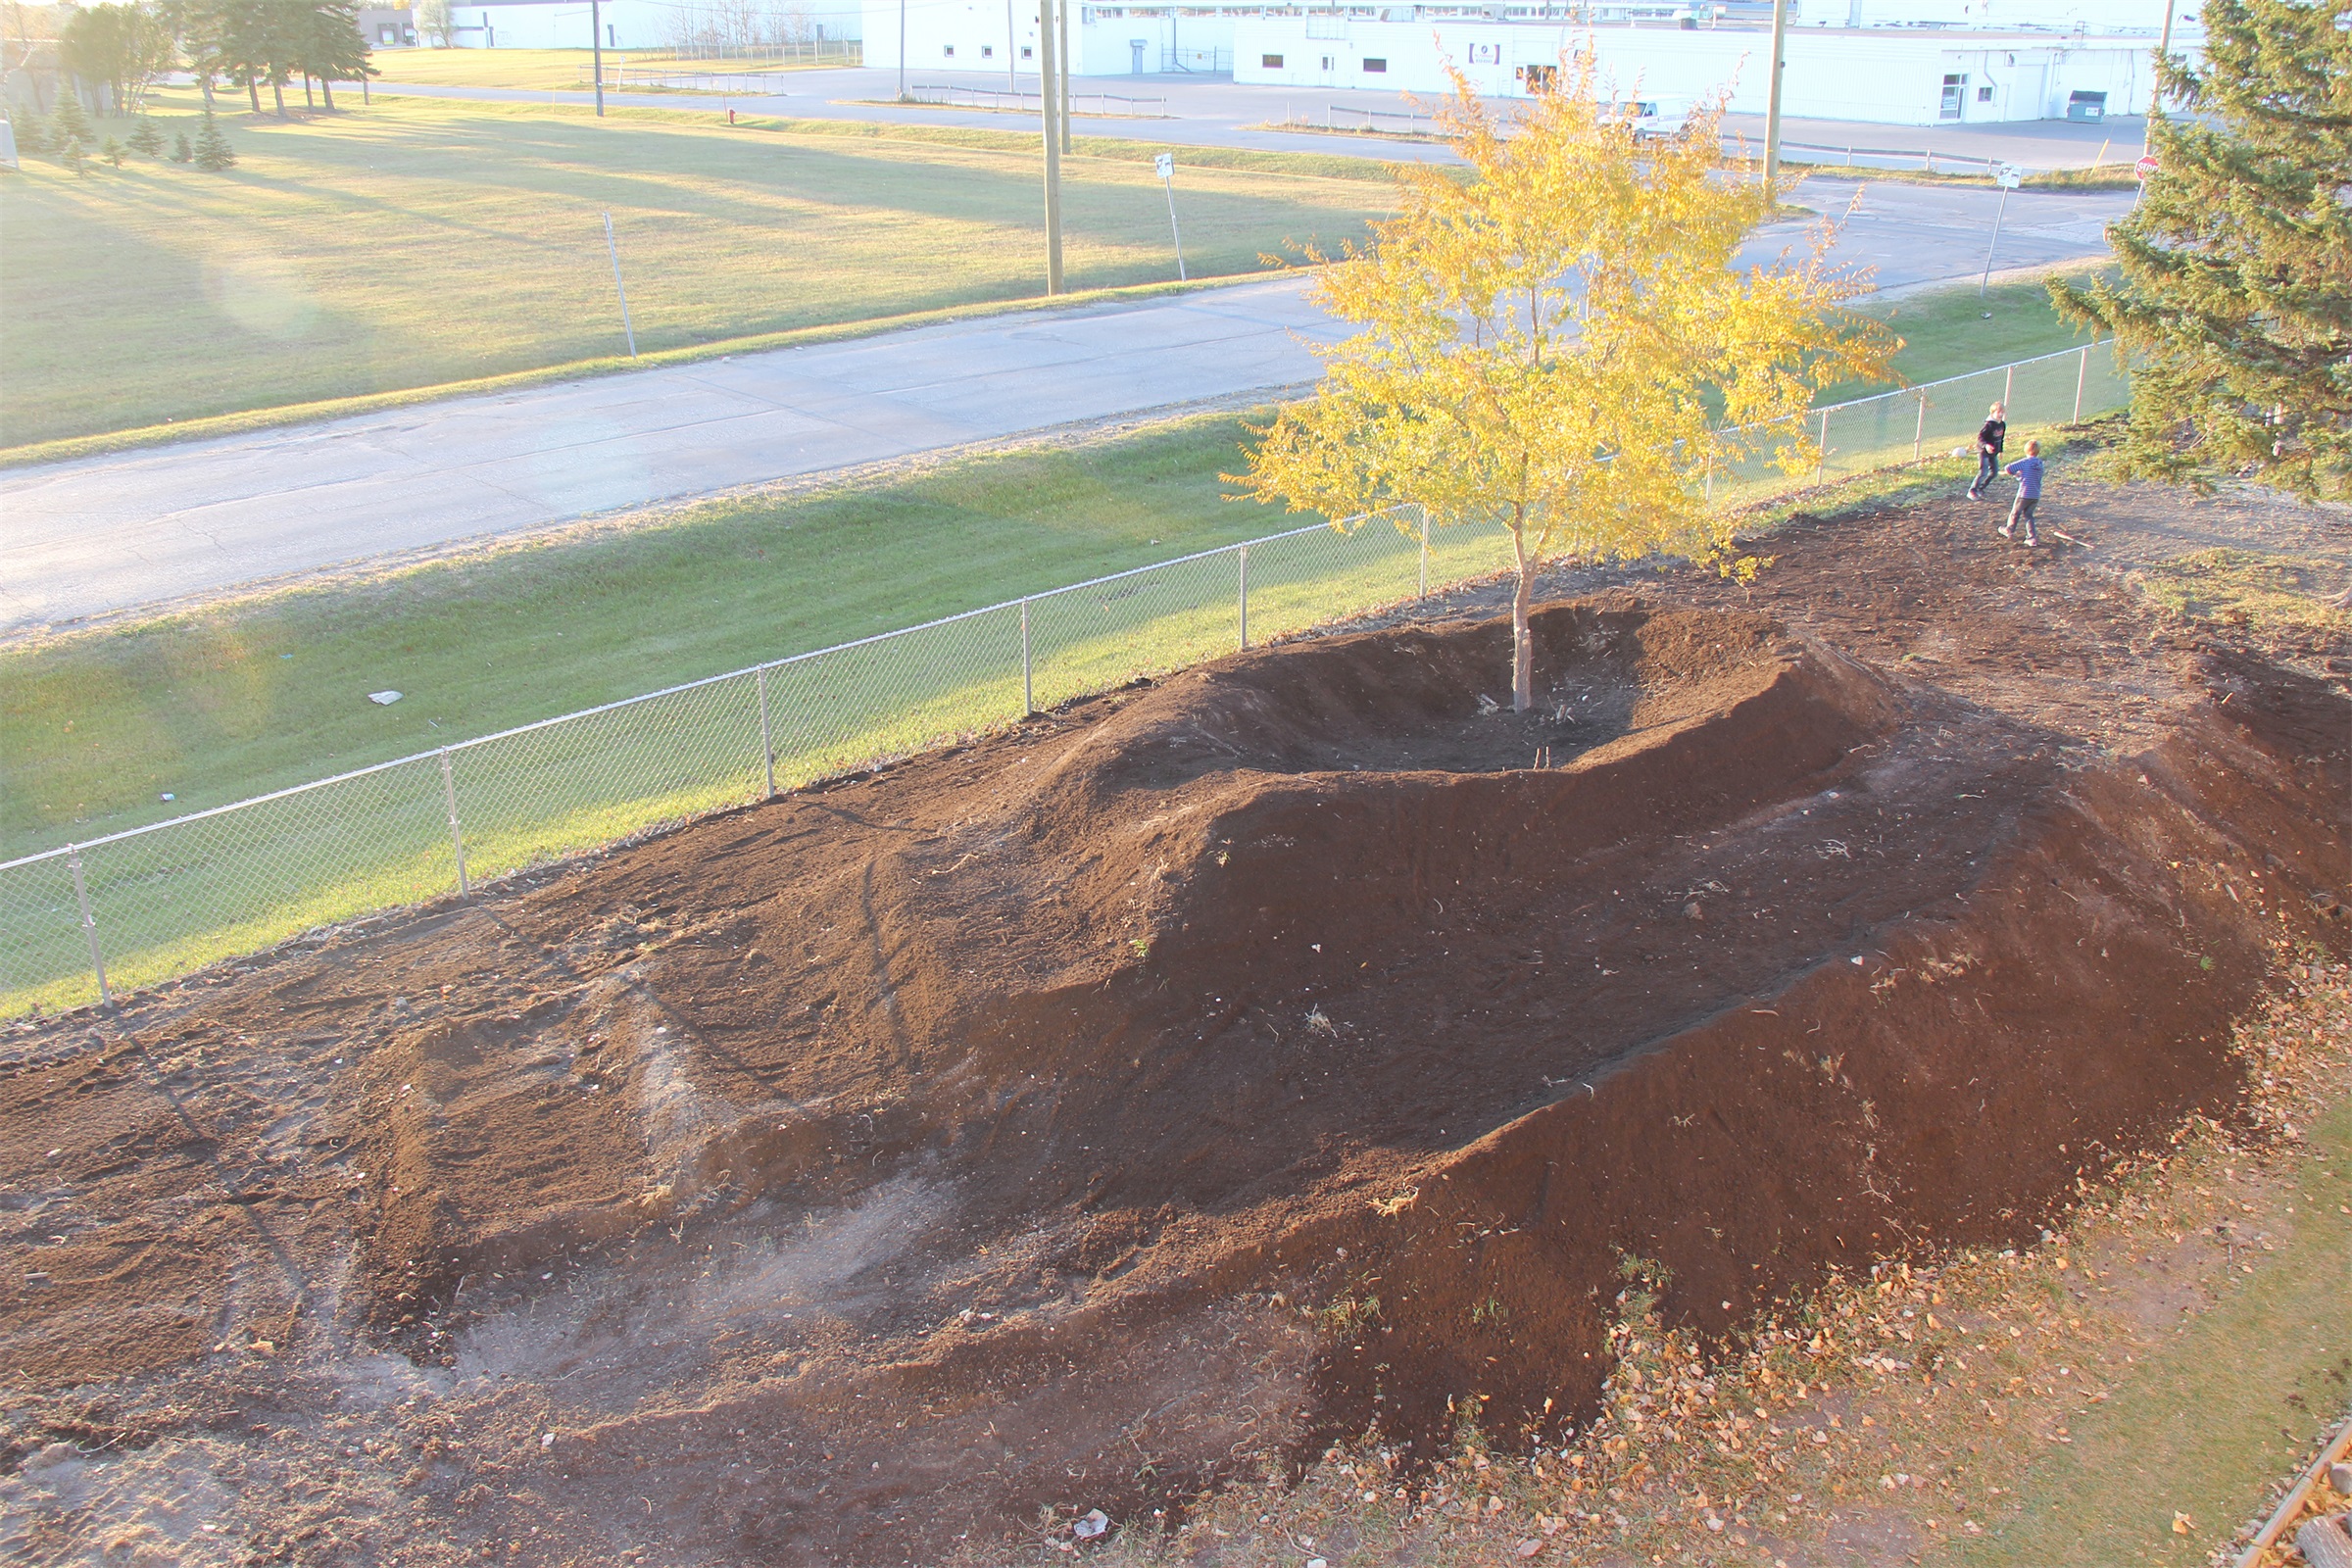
x,y
767,745
456,836
2081,370
2008,386
90,925
1424,551
1245,555
1028,669
1821,459
1919,433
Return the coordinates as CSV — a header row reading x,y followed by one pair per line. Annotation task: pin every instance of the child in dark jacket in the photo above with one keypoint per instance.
x,y
1992,435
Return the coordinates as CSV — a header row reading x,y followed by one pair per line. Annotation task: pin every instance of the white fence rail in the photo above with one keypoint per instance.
x,y
83,920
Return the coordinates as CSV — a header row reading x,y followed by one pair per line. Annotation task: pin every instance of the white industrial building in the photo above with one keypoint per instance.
x,y
1887,62
735,26
1104,40
1880,76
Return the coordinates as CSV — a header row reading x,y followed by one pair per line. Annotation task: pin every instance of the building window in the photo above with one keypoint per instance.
x,y
383,33
1270,61
949,51
1027,52
1984,95
987,51
1953,85
1327,61
1375,66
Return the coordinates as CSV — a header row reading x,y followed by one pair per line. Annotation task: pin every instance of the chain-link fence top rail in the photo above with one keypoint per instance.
x,y
142,906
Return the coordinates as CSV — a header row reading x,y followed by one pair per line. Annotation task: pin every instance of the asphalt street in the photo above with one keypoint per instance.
x,y
1212,111
144,529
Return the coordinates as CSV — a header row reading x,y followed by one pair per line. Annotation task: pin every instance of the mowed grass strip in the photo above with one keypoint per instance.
x,y
421,242
219,705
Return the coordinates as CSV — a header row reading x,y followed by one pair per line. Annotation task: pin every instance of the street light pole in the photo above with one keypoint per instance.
x,y
596,38
902,50
1012,55
1772,101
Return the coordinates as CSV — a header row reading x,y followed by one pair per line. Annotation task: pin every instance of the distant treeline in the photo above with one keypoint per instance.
x,y
114,53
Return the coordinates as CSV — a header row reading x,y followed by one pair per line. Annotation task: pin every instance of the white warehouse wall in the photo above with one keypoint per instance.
x,y
627,23
1876,75
976,35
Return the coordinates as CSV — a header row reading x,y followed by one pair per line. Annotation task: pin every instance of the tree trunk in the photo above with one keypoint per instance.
x,y
252,90
308,102
278,90
326,90
204,80
1523,639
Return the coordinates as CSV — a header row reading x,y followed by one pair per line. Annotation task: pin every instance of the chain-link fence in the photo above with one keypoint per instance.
x,y
131,908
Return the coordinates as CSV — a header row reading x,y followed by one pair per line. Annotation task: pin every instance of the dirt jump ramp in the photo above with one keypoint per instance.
x,y
1078,1118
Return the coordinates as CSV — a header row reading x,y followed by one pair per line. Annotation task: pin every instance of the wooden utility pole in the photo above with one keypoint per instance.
x,y
2164,52
1772,101
1046,102
1012,55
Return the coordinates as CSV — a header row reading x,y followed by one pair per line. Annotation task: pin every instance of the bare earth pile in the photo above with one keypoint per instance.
x,y
1036,1126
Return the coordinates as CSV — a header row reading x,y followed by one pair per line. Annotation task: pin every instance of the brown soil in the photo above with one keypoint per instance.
x,y
1082,1117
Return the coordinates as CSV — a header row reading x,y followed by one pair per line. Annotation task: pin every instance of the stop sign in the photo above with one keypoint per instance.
x,y
2145,167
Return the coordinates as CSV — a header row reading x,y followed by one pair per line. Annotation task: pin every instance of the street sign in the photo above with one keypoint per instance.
x,y
2145,167
1165,164
2007,176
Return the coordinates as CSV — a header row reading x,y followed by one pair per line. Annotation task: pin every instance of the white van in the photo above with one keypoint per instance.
x,y
1655,119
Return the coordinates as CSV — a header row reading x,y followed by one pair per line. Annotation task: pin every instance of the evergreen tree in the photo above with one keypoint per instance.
x,y
2235,300
33,137
181,152
70,125
146,139
74,158
113,152
334,49
213,151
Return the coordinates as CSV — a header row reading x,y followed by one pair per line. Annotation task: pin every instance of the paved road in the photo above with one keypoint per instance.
x,y
1213,110
141,530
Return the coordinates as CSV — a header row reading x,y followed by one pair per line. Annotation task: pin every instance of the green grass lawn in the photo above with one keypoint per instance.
x,y
1945,331
215,707
422,243
2222,1411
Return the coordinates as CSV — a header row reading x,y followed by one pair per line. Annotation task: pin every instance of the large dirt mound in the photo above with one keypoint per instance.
x,y
1071,1118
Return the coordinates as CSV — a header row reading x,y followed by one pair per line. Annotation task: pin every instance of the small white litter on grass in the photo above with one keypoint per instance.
x,y
384,699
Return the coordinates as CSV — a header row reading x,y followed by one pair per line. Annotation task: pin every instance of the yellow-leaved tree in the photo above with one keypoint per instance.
x,y
1563,344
